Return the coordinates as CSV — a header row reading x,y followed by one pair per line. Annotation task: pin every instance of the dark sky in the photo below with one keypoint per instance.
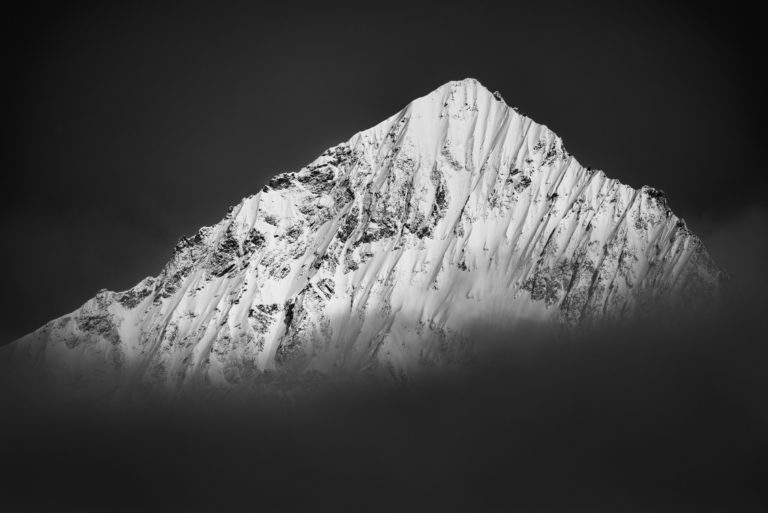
x,y
129,126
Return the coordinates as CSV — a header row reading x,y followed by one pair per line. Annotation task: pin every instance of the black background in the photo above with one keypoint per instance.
x,y
131,124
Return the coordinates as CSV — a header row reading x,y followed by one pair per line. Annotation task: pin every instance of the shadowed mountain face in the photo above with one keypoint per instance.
x,y
383,255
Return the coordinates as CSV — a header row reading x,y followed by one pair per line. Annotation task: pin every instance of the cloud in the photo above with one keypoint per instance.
x,y
667,414
738,244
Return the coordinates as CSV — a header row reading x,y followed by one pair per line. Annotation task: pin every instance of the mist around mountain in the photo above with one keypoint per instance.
x,y
668,415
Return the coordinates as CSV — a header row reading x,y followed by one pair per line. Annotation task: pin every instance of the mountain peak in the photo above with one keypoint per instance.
x,y
464,83
384,253
459,90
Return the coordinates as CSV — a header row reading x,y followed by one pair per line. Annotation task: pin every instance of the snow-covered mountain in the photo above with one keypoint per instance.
x,y
383,252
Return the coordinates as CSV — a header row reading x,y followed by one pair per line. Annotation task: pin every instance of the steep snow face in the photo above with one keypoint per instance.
x,y
382,252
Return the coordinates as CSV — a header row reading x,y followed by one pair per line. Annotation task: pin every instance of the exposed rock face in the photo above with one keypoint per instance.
x,y
378,255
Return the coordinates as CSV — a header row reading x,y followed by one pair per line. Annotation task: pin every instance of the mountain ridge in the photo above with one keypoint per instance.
x,y
379,253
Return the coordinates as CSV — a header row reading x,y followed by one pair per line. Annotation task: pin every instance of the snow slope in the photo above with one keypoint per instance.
x,y
381,253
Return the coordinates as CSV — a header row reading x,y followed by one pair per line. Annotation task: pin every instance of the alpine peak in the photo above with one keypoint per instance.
x,y
382,253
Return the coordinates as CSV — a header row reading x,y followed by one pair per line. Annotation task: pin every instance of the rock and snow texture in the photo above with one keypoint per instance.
x,y
382,252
